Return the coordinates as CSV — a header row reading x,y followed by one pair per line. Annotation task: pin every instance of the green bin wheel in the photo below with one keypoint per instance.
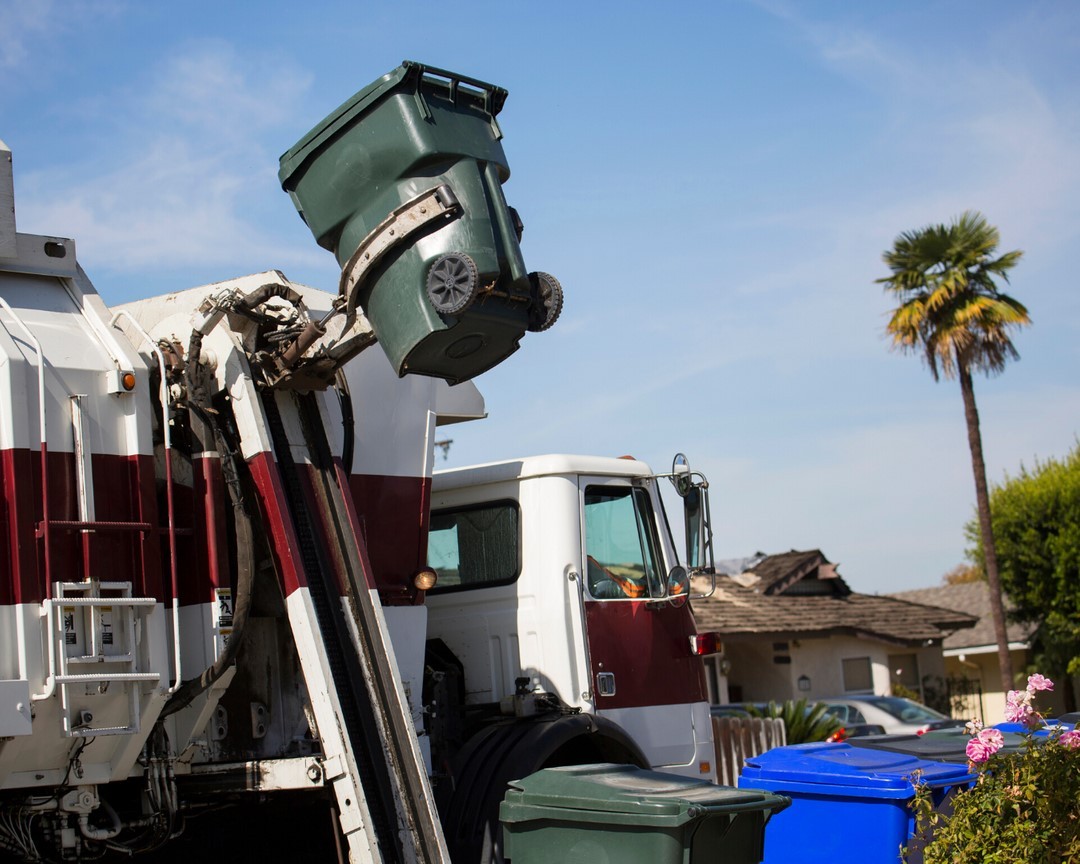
x,y
452,283
546,302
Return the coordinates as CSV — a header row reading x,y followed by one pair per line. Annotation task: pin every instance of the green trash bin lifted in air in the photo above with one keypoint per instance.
x,y
403,183
621,814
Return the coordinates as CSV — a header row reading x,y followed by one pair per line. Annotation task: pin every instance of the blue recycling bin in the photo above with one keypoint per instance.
x,y
848,804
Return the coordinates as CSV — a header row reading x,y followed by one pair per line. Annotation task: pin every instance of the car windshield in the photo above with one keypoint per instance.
x,y
905,710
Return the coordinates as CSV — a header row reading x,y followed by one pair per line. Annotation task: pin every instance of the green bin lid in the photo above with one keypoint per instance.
x,y
344,115
626,789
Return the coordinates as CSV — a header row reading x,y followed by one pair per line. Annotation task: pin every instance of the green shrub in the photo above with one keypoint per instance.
x,y
1024,808
802,723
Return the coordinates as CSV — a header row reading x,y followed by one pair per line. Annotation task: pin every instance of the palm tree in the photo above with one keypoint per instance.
x,y
952,313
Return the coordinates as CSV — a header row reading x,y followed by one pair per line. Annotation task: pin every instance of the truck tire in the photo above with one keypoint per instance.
x,y
512,750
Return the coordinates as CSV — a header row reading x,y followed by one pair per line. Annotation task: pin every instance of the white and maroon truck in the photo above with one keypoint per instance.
x,y
228,570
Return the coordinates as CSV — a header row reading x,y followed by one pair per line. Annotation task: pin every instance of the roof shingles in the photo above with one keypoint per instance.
x,y
737,611
973,598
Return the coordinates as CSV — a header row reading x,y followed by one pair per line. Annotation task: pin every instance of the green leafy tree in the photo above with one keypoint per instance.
x,y
803,723
952,313
1036,519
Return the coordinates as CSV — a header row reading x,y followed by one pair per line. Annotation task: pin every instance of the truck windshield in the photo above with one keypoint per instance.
x,y
621,543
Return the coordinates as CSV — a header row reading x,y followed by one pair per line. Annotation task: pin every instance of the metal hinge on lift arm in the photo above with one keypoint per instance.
x,y
311,360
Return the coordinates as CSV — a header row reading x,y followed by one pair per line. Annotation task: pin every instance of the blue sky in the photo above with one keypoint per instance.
x,y
713,183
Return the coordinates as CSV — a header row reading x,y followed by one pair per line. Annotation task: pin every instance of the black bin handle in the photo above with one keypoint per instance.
x,y
494,96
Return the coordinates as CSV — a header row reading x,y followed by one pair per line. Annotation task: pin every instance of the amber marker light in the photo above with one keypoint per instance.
x,y
425,579
127,380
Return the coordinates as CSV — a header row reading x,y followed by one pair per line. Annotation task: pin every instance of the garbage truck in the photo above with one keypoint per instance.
x,y
228,568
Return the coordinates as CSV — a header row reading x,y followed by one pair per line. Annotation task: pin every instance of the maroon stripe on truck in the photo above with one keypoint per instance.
x,y
648,652
393,518
124,492
279,527
203,554
19,578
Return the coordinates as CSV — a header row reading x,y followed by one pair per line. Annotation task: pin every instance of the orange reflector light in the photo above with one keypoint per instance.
x,y
704,768
127,380
705,643
425,579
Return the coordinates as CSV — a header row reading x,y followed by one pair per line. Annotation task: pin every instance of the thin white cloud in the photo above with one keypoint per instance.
x,y
965,128
209,87
23,22
191,180
32,32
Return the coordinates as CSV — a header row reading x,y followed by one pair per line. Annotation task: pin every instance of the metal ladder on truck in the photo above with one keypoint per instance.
x,y
96,628
371,758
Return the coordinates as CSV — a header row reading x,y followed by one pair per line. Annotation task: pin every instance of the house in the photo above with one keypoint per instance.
x,y
972,672
792,627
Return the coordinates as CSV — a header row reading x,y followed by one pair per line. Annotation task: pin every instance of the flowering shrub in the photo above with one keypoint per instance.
x,y
1024,807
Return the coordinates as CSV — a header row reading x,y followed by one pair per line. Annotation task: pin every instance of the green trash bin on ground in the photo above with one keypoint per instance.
x,y
403,183
621,814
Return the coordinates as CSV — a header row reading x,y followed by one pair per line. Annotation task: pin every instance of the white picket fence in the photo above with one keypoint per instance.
x,y
739,738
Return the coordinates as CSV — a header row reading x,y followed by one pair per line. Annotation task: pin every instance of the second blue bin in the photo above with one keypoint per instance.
x,y
848,804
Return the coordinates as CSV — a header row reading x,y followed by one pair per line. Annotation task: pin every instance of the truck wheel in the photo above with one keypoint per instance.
x,y
546,301
509,751
452,283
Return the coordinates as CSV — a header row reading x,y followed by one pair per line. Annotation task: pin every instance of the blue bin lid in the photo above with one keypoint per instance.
x,y
843,769
1043,730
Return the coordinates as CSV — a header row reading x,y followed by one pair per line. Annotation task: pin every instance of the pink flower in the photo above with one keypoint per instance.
x,y
1071,739
1017,706
1039,682
984,745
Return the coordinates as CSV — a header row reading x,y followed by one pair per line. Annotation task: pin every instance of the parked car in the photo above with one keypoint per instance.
x,y
856,730
893,713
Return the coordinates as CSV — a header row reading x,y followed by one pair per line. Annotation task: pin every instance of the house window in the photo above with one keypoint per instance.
x,y
857,675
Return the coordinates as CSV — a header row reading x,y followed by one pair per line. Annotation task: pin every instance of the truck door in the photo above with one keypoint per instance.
x,y
643,675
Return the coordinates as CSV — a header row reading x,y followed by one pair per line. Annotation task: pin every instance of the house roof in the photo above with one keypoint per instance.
x,y
973,598
807,572
799,594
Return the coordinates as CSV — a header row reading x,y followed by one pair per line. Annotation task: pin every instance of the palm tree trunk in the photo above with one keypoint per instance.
x,y
982,501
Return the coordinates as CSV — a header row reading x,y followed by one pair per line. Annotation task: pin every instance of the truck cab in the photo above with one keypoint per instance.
x,y
558,575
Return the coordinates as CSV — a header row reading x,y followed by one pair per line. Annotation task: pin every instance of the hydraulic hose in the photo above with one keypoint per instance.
x,y
91,833
260,295
207,435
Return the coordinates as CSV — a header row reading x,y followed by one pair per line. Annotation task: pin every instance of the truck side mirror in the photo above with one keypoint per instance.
x,y
681,477
693,488
694,517
678,585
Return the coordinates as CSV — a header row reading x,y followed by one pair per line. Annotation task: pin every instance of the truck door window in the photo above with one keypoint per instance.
x,y
621,546
474,547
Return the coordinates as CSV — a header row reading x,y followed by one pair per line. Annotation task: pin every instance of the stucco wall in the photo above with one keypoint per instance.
x,y
983,667
759,677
